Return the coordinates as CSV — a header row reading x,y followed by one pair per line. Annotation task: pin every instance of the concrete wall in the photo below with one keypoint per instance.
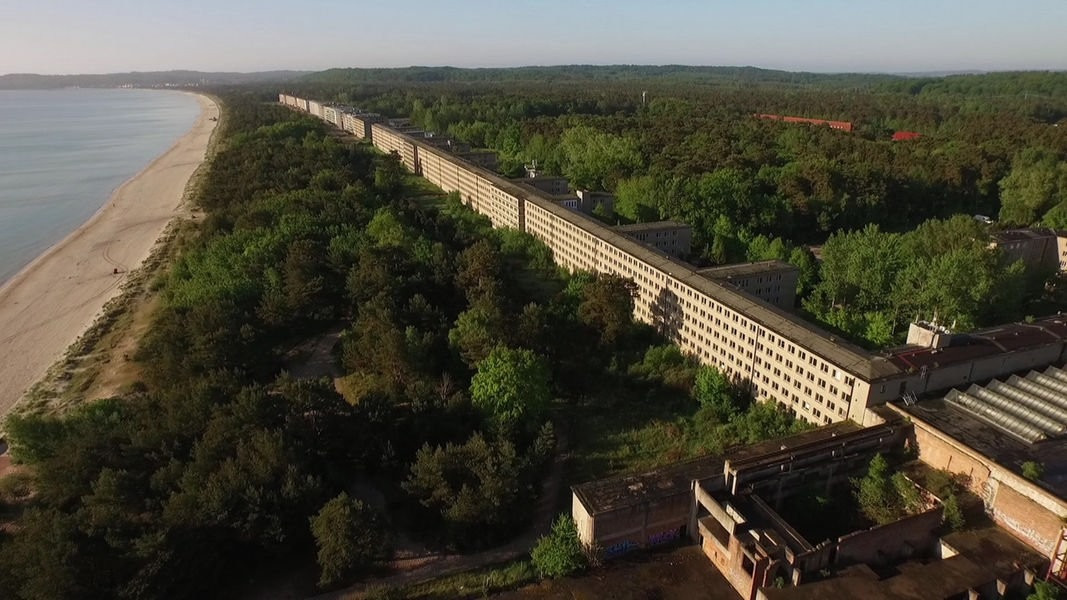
x,y
909,537
555,186
1035,252
654,523
583,521
675,239
746,574
478,191
1021,507
778,287
390,141
357,125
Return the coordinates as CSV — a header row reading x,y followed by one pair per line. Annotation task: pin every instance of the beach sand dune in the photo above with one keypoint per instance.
x,y
47,305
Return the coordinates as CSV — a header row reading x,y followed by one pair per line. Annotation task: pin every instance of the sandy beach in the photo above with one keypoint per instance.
x,y
54,299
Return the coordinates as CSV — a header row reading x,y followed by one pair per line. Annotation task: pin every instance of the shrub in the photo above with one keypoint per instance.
x,y
1033,470
1044,590
953,514
349,536
559,553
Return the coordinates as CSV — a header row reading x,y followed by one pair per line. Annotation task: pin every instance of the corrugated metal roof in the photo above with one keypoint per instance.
x,y
1031,409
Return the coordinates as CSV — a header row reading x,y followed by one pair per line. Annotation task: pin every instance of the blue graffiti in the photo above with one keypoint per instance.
x,y
664,537
618,549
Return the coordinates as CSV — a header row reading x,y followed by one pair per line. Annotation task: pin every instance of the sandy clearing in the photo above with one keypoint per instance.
x,y
54,299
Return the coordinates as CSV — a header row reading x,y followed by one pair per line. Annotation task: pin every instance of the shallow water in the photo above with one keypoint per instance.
x,y
63,152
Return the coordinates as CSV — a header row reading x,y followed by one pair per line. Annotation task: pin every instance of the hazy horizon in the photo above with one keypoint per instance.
x,y
931,72
824,36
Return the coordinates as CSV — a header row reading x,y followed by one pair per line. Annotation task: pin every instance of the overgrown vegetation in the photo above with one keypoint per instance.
x,y
1033,470
559,553
885,494
1043,590
476,583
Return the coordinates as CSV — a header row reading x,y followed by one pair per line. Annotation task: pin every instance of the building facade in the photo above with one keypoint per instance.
x,y
773,281
671,237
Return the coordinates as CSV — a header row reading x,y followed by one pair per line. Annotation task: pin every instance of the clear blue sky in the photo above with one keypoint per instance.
x,y
91,36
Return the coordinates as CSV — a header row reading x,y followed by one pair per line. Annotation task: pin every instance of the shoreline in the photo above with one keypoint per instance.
x,y
56,298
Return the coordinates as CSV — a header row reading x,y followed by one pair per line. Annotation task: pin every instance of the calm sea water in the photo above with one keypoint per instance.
x,y
63,152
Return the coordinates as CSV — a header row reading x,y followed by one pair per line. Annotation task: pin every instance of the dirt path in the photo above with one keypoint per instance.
x,y
314,358
442,565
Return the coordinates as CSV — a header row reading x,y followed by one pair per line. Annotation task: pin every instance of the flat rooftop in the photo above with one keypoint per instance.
x,y
747,269
993,442
606,495
966,347
1016,235
475,153
652,226
741,455
540,178
985,555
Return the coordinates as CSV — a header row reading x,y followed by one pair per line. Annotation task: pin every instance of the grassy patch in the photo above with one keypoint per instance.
x,y
419,187
630,427
476,583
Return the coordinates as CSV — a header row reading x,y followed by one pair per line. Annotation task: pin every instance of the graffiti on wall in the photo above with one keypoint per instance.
x,y
664,537
619,548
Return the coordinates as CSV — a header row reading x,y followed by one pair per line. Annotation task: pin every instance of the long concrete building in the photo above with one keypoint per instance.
x,y
809,371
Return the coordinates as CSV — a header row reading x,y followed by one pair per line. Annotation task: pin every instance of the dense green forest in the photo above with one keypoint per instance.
x,y
464,355
684,143
703,75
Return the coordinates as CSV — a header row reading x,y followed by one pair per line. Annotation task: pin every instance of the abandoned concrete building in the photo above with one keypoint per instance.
x,y
745,511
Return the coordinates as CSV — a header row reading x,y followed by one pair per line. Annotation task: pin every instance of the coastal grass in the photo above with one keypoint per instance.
x,y
70,380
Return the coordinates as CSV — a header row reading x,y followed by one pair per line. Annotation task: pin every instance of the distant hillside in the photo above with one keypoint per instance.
x,y
16,81
1015,83
664,73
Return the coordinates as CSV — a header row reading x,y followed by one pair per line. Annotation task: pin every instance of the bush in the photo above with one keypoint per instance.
x,y
876,493
559,553
953,513
16,487
1044,590
349,536
1033,470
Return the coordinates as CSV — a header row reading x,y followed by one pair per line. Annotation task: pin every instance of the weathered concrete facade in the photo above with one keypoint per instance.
x,y
671,237
773,281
